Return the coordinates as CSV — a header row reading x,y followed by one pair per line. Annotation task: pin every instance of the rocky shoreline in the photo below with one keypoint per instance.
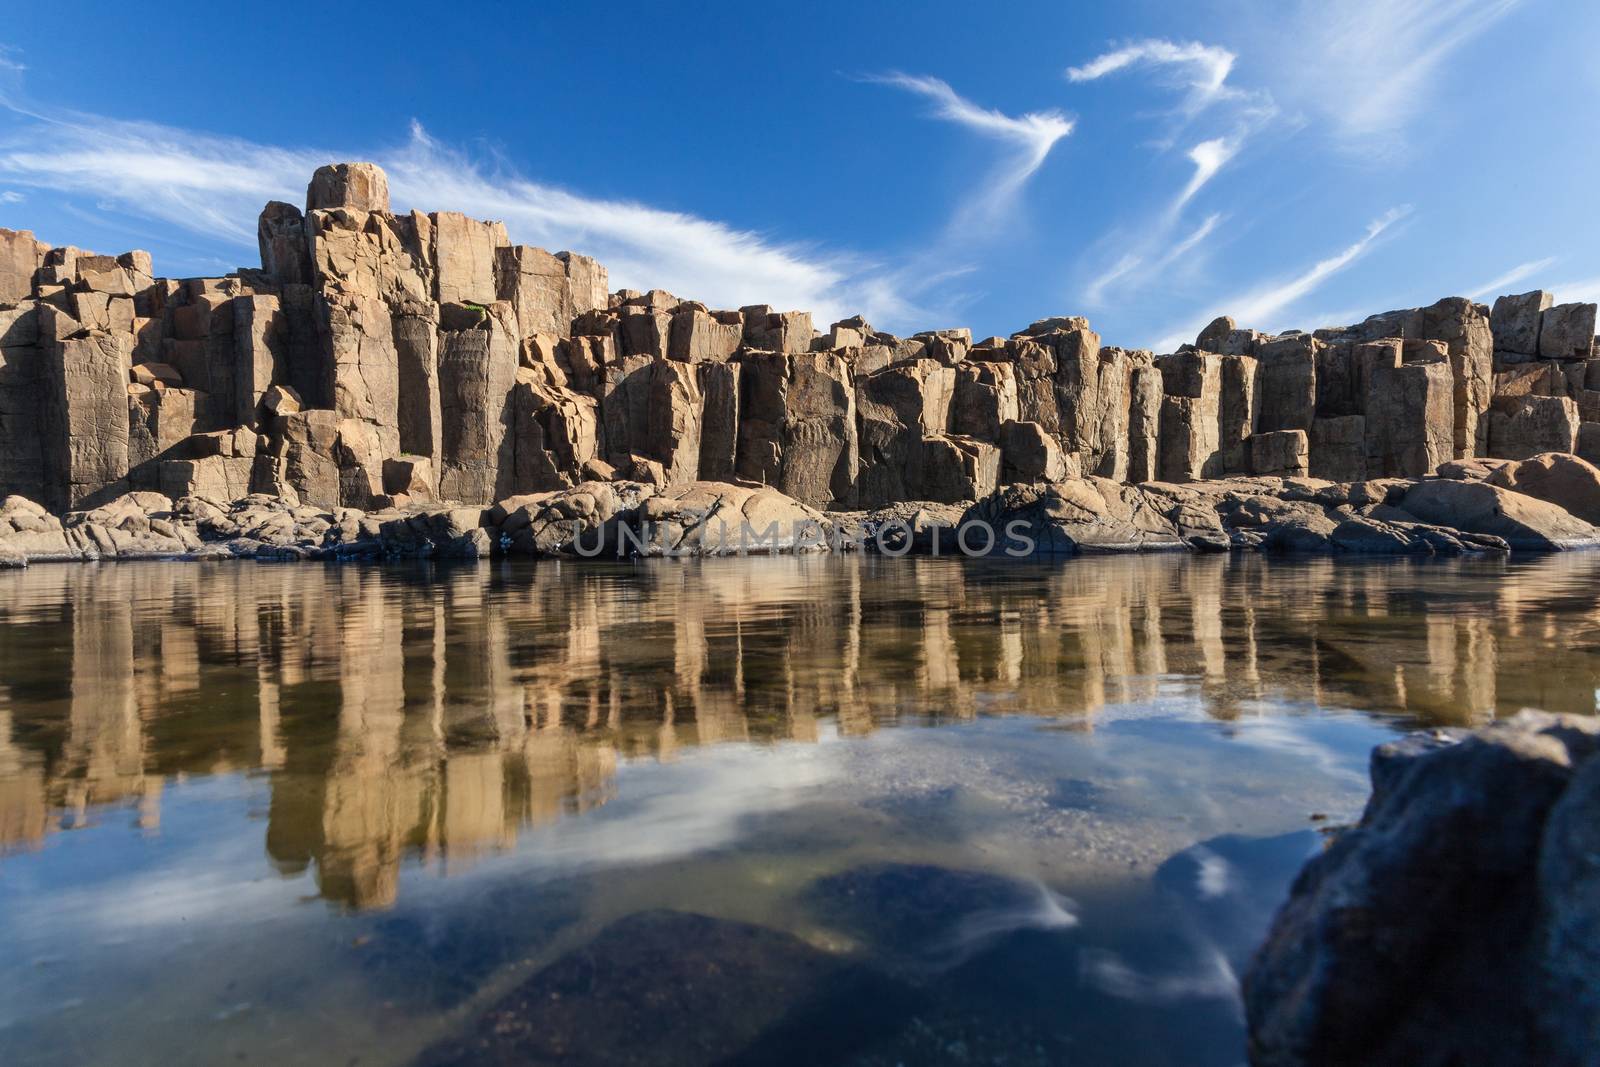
x,y
390,384
1548,503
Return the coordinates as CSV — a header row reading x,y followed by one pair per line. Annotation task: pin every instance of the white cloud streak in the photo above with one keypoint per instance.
x,y
215,186
1032,135
1202,68
1260,309
1095,294
1502,285
1208,157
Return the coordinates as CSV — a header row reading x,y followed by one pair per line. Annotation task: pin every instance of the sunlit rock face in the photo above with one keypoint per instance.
x,y
513,370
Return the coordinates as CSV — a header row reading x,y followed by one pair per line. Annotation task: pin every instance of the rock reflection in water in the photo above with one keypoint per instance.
x,y
413,712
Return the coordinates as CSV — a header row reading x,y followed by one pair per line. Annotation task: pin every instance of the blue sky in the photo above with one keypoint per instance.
x,y
1148,164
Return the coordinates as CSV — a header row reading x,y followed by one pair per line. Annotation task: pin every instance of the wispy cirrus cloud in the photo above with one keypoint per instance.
x,y
1388,56
1581,291
980,217
1521,272
1262,308
1134,268
1032,135
214,186
1200,68
1200,72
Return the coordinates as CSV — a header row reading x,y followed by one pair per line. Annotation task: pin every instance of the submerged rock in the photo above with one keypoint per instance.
x,y
1457,922
666,987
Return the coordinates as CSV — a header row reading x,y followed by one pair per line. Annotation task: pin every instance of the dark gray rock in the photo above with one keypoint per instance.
x,y
1457,922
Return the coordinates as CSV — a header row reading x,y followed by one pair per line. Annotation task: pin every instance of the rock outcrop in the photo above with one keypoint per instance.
x,y
1456,923
379,360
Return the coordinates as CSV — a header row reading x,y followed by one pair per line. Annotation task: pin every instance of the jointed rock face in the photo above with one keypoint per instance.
x,y
377,360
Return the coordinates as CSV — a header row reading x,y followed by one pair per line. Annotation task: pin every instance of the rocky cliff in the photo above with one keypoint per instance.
x,y
376,360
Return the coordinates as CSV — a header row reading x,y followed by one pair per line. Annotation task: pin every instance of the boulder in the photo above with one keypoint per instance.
x,y
568,521
718,519
1525,523
353,186
1515,324
1028,454
770,331
1533,425
1559,478
1085,515
303,466
411,476
1215,336
1455,923
1566,331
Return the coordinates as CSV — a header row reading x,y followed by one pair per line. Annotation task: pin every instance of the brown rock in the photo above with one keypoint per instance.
x,y
83,416
1286,383
1566,331
1028,454
1190,441
464,256
1477,507
1515,325
535,284
985,398
1536,424
477,370
697,336
1339,448
1565,480
1410,412
285,244
1279,453
410,475
356,186
21,256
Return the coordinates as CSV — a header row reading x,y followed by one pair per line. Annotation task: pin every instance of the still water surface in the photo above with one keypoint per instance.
x,y
829,810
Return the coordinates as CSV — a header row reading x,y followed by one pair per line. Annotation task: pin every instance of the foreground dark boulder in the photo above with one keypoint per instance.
x,y
1459,922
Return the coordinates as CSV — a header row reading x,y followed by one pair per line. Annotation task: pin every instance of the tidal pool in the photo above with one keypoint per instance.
x,y
827,810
